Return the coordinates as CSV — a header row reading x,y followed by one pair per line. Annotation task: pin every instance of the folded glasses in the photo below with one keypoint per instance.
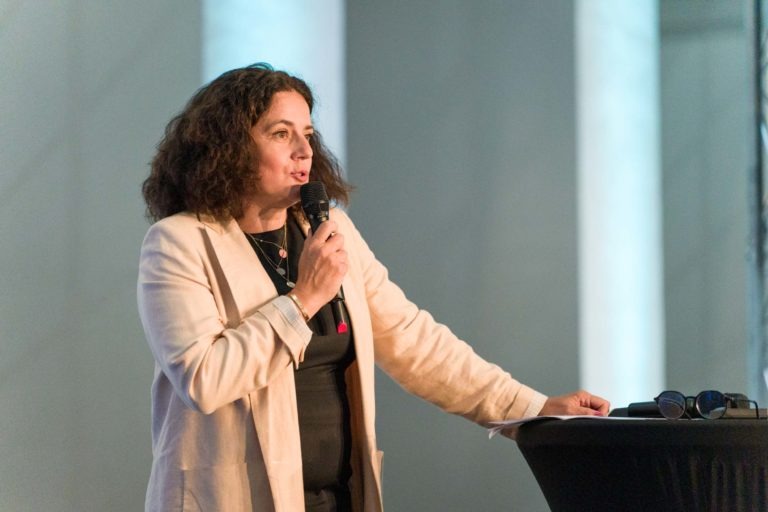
x,y
710,404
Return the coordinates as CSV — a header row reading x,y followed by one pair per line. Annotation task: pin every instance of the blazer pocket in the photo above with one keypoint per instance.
x,y
229,487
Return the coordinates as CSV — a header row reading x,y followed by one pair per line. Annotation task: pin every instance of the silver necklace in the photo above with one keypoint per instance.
x,y
282,252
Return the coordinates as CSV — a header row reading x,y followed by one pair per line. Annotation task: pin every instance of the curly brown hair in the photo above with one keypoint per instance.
x,y
206,161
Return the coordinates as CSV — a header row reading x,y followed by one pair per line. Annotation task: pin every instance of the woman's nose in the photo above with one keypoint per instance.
x,y
303,148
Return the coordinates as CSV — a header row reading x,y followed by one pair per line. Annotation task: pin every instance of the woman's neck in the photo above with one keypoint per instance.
x,y
255,220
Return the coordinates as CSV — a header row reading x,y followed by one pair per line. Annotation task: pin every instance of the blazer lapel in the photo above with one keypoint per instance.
x,y
248,282
273,408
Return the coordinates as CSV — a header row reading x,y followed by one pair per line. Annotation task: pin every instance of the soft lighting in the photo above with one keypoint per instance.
x,y
303,37
621,296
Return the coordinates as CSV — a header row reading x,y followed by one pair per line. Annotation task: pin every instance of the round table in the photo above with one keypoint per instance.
x,y
652,465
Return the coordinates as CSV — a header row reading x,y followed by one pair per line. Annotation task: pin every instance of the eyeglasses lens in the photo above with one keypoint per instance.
x,y
711,404
671,404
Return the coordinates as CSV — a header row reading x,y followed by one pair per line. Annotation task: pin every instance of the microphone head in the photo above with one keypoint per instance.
x,y
313,192
314,203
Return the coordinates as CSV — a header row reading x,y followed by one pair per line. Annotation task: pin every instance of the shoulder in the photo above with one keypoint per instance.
x,y
183,227
352,236
180,220
187,221
341,217
346,225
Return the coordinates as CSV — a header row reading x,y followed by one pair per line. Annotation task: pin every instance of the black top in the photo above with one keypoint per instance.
x,y
321,394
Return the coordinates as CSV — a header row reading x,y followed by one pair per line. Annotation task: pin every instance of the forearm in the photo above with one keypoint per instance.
x,y
212,350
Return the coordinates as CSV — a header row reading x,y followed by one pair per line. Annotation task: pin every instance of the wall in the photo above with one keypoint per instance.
x,y
461,131
86,89
461,141
706,131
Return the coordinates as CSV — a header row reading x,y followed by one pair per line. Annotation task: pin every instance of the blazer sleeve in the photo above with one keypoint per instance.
x,y
209,359
428,360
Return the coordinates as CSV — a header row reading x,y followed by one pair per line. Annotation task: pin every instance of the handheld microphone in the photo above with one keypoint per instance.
x,y
314,203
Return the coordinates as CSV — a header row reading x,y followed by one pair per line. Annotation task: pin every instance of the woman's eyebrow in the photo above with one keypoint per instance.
x,y
287,122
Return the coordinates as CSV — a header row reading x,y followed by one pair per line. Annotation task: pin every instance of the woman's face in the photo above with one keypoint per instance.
x,y
283,153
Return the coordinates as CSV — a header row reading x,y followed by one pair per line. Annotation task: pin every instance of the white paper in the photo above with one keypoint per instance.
x,y
510,427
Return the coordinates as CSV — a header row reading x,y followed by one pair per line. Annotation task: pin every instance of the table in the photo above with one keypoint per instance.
x,y
652,465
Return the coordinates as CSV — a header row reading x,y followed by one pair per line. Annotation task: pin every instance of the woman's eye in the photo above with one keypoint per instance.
x,y
309,136
282,134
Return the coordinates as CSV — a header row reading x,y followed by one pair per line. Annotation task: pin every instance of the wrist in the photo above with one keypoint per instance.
x,y
299,305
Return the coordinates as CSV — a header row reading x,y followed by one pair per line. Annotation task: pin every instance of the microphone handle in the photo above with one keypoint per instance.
x,y
339,316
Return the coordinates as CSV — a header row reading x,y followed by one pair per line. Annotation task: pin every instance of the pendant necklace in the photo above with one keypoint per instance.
x,y
282,252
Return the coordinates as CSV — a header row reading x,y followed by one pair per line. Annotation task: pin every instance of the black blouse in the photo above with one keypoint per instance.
x,y
321,394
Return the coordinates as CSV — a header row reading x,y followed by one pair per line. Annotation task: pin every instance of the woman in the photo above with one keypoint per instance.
x,y
257,402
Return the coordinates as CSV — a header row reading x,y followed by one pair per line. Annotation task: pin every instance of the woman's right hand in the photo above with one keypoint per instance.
x,y
322,267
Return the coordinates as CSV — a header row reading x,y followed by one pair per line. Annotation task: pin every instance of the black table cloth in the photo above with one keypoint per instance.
x,y
649,465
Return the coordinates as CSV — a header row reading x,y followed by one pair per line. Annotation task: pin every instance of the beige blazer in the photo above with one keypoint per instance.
x,y
225,431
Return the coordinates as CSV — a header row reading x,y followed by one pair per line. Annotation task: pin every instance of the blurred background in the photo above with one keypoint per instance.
x,y
564,183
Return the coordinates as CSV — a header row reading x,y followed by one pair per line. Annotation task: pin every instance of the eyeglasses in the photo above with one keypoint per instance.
x,y
710,404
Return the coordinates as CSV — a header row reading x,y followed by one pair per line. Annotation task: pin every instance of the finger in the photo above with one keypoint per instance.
x,y
596,403
331,251
600,404
604,406
336,242
342,262
325,230
584,398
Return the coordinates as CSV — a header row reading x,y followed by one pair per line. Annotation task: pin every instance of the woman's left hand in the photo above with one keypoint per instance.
x,y
574,404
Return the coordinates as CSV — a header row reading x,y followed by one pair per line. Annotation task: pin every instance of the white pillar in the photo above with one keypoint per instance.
x,y
303,37
620,266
